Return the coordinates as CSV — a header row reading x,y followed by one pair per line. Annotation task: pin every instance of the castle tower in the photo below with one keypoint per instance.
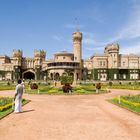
x,y
77,50
39,56
77,44
17,63
17,57
112,50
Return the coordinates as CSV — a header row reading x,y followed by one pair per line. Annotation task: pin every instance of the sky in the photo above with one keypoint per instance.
x,y
49,24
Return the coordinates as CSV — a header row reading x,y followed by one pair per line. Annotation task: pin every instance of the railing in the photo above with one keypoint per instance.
x,y
58,65
62,67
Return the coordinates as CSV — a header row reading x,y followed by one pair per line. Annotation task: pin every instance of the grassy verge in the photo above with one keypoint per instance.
x,y
131,103
10,110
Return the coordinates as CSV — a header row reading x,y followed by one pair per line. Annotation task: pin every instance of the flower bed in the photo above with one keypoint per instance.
x,y
5,107
129,102
6,104
5,100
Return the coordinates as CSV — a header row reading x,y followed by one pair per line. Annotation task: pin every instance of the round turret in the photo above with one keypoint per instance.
x,y
77,44
114,47
77,36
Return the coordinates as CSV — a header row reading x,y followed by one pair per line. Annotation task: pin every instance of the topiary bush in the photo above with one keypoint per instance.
x,y
34,86
67,88
98,86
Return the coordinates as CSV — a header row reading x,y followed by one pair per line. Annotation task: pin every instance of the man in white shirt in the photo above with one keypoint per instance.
x,y
18,97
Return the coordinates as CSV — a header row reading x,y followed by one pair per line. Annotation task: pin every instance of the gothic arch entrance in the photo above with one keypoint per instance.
x,y
29,74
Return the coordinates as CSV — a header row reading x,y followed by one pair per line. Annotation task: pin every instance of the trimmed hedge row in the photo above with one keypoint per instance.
x,y
7,106
3,108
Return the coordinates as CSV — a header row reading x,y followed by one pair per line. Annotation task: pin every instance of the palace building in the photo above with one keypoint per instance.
x,y
111,65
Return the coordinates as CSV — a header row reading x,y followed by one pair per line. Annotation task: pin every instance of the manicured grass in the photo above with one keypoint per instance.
x,y
132,86
47,89
43,87
10,110
6,86
129,102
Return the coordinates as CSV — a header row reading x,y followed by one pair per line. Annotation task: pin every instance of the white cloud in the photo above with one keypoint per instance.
x,y
56,37
130,49
97,49
131,29
90,39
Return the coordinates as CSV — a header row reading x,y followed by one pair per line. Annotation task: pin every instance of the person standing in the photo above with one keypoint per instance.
x,y
18,97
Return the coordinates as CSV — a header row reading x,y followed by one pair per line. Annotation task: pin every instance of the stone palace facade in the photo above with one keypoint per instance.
x,y
111,65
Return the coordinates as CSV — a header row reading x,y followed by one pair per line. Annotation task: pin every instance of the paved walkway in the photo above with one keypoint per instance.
x,y
76,117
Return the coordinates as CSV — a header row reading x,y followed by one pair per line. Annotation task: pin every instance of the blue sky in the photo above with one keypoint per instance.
x,y
49,24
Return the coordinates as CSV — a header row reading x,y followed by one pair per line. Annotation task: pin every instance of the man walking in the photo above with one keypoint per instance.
x,y
18,97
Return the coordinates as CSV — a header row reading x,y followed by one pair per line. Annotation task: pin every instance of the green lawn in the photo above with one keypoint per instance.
x,y
44,88
7,86
48,89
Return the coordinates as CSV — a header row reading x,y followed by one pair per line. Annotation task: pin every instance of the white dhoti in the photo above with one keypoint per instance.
x,y
18,104
18,99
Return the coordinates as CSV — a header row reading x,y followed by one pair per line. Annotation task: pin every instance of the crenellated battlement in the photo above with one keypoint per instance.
x,y
17,53
39,54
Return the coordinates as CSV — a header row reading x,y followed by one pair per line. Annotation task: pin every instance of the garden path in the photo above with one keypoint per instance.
x,y
71,117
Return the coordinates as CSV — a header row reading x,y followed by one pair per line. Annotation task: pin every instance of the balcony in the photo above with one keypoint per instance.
x,y
63,65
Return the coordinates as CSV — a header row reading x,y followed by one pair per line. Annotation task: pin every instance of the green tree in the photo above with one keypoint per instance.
x,y
67,77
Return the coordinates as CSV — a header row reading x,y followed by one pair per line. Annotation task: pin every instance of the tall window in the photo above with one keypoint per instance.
x,y
100,63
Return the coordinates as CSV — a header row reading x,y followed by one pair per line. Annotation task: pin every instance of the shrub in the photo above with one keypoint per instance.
x,y
67,88
66,79
8,83
98,86
34,86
